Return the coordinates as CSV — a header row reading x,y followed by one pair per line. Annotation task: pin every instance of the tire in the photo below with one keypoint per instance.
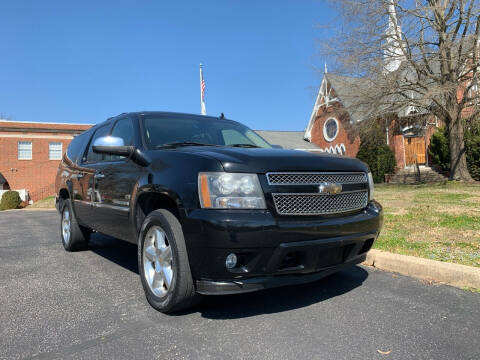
x,y
74,236
163,266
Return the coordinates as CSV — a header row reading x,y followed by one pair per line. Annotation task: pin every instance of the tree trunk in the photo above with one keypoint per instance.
x,y
458,157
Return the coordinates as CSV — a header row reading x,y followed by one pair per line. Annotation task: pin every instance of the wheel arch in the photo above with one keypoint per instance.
x,y
149,199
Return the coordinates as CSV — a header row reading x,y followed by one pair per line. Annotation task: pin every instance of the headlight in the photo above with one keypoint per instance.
x,y
230,191
370,186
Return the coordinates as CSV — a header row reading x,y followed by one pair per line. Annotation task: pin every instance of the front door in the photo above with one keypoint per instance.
x,y
414,150
115,179
114,183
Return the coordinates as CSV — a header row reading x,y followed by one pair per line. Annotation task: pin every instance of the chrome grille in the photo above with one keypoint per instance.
x,y
315,178
319,204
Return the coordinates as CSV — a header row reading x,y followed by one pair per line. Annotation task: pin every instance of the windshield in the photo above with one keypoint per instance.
x,y
162,131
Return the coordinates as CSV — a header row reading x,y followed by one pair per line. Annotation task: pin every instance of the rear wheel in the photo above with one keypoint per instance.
x,y
74,236
163,263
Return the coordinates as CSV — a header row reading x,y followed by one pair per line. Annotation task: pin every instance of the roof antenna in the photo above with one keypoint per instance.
x,y
222,116
326,67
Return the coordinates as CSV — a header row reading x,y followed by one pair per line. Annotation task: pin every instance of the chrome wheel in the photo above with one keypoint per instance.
x,y
66,225
157,261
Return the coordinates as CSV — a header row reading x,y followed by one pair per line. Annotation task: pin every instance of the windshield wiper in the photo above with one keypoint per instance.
x,y
244,145
181,143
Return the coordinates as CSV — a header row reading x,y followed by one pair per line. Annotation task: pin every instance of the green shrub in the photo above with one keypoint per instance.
x,y
10,200
439,149
472,147
376,153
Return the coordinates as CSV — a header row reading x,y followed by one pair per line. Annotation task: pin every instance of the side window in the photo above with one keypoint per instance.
x,y
91,156
75,148
124,130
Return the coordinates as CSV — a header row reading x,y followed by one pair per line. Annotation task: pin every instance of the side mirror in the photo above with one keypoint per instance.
x,y
108,141
115,146
277,146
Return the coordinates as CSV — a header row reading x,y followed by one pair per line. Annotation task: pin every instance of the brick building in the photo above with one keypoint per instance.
x,y
340,107
30,153
333,125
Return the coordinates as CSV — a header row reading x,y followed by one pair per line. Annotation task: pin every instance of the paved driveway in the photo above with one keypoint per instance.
x,y
90,305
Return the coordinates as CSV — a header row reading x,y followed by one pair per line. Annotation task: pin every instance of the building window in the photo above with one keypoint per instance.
x,y
330,129
55,151
24,150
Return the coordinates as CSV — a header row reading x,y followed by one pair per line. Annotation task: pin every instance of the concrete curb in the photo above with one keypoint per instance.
x,y
27,209
39,209
452,274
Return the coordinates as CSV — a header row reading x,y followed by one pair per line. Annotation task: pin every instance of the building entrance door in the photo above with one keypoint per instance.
x,y
414,150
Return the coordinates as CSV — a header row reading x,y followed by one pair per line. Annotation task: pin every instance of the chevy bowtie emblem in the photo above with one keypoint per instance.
x,y
330,188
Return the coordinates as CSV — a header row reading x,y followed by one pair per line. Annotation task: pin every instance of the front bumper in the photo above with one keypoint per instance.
x,y
212,287
274,251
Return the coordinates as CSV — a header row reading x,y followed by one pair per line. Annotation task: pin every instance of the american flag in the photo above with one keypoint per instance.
x,y
202,93
203,89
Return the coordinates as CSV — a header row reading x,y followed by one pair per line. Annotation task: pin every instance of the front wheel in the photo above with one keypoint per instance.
x,y
163,263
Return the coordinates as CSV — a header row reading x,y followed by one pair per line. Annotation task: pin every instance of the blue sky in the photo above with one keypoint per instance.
x,y
83,61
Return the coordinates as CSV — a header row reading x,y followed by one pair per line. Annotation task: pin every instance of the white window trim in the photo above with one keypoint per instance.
x,y
31,150
61,150
325,135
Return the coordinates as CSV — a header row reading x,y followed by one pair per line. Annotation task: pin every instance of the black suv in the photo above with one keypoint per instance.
x,y
213,207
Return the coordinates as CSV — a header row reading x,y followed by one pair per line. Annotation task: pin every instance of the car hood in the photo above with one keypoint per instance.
x,y
264,160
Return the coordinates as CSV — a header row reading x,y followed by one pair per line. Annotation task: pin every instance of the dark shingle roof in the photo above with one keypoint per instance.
x,y
350,91
287,139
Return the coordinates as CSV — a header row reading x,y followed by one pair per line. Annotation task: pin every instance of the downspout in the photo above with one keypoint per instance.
x,y
386,127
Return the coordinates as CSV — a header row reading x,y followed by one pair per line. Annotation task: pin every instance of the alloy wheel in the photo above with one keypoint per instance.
x,y
66,225
157,261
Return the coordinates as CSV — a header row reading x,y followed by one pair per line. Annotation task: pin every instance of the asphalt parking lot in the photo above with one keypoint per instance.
x,y
90,305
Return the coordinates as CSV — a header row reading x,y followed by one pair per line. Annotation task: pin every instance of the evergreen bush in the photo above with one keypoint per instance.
x,y
439,150
377,154
10,200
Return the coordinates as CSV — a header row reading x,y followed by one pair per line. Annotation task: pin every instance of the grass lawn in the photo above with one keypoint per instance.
x,y
439,222
47,203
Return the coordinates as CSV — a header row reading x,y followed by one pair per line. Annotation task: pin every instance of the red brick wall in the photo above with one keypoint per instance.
x,y
36,175
345,135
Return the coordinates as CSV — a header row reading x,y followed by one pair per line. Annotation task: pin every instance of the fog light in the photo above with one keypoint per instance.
x,y
231,261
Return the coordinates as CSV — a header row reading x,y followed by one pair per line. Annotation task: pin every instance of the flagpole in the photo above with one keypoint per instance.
x,y
202,92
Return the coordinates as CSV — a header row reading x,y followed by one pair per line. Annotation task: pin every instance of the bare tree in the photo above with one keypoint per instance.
x,y
415,57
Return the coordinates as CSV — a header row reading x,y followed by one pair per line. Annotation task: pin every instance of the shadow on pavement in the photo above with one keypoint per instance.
x,y
283,298
243,305
117,251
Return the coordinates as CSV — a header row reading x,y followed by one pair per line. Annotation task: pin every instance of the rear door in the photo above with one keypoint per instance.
x,y
72,170
86,193
115,179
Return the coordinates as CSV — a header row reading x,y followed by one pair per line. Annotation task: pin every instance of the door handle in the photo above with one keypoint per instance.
x,y
99,176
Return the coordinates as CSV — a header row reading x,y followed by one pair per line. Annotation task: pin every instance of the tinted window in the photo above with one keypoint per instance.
x,y
163,130
77,146
232,136
122,129
91,156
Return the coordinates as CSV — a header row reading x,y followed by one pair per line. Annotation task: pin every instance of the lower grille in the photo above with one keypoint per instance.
x,y
319,204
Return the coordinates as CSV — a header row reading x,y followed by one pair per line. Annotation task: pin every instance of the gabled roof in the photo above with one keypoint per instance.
x,y
359,97
348,90
287,139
